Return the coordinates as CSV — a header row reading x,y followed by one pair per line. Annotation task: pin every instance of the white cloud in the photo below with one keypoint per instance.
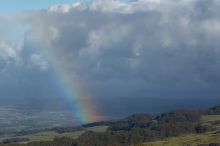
x,y
103,38
108,6
122,7
53,33
38,61
10,53
65,8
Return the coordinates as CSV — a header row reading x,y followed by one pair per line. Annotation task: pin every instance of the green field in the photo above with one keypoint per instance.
x,y
210,118
50,135
187,140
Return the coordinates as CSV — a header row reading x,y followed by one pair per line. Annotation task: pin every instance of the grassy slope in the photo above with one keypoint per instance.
x,y
191,139
187,140
49,135
210,118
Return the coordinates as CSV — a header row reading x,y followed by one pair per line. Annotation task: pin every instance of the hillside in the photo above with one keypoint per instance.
x,y
204,139
199,139
174,128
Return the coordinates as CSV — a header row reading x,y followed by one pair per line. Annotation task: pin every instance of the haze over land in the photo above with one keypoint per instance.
x,y
111,58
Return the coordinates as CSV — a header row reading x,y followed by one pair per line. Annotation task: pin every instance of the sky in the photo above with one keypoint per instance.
x,y
12,6
110,57
15,6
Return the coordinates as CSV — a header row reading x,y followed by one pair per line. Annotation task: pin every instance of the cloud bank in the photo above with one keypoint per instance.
x,y
141,48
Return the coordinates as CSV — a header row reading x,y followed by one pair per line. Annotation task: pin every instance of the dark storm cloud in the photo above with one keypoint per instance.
x,y
141,48
118,50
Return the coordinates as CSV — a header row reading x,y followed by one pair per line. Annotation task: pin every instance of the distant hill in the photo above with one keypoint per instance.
x,y
214,110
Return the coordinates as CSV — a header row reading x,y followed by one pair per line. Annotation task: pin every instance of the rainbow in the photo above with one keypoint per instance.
x,y
81,106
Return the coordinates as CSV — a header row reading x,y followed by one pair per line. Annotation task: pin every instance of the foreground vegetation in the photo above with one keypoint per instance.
x,y
179,127
187,140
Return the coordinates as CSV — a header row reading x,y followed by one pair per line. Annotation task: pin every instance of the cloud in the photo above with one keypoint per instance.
x,y
65,8
10,53
141,48
135,48
38,61
115,6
